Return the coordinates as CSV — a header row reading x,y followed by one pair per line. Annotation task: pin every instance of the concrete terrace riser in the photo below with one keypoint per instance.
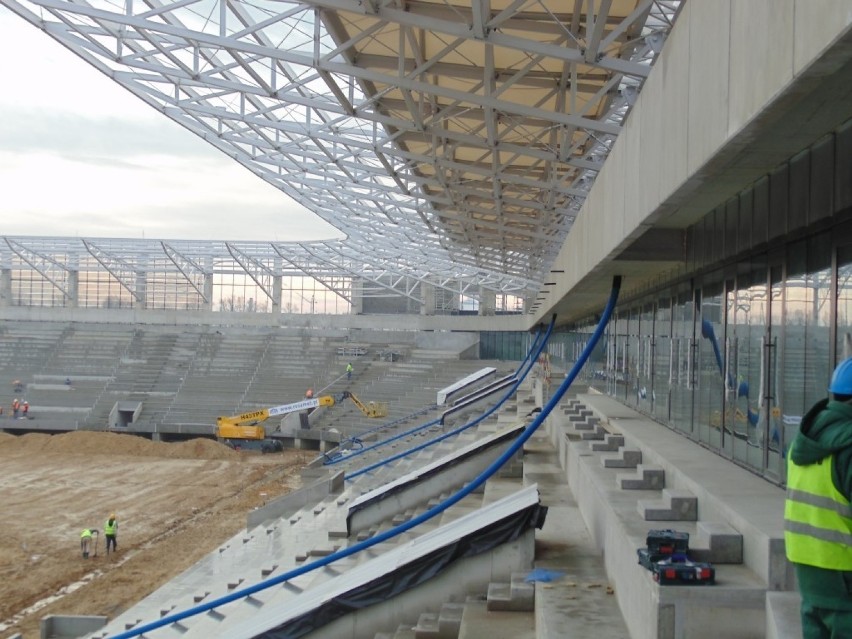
x,y
735,607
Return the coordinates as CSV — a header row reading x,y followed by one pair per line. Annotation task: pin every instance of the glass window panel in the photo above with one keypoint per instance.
x,y
663,361
806,348
746,370
645,362
780,431
709,391
632,357
844,302
683,361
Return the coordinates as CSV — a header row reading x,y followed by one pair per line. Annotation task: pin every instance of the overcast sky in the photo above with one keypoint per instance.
x,y
80,156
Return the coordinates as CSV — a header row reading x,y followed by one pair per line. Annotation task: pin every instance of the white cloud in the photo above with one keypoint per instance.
x,y
81,156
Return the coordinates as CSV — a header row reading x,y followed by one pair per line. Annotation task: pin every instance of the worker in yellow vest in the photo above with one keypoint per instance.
x,y
86,541
817,513
111,533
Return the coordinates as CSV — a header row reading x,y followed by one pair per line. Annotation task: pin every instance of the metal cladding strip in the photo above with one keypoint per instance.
x,y
416,521
478,396
386,490
535,347
464,427
516,512
446,393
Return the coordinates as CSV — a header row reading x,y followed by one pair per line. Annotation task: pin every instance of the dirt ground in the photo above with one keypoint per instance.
x,y
174,504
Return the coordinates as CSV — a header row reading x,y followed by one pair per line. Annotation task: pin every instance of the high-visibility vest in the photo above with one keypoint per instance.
x,y
109,529
86,534
817,517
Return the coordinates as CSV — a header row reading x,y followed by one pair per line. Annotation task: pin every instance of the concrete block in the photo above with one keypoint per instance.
x,y
516,596
783,620
580,416
427,626
441,625
676,505
596,434
449,620
717,542
589,423
611,443
70,625
628,458
574,408
645,478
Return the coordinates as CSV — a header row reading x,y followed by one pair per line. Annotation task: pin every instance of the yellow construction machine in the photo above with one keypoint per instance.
x,y
245,431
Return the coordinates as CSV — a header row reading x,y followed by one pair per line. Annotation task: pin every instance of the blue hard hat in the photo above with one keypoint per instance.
x,y
841,380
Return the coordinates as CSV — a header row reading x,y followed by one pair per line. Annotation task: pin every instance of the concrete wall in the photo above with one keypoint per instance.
x,y
290,503
401,324
442,340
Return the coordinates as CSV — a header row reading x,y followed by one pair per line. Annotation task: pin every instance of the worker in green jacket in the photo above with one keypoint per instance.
x,y
86,541
111,533
817,513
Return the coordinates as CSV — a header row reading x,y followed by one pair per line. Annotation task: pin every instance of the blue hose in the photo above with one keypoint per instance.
x,y
416,521
452,433
433,422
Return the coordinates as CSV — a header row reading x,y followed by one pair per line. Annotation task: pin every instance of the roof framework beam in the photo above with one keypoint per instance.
x,y
470,131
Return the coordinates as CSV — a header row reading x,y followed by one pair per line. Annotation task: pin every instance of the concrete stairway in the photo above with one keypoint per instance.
x,y
728,515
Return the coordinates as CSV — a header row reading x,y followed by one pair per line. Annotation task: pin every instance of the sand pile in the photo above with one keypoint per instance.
x,y
102,443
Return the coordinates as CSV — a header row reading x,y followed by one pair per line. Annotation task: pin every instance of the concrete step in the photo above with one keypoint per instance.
x,y
480,623
440,625
783,620
676,505
611,443
597,433
716,542
627,458
518,595
646,477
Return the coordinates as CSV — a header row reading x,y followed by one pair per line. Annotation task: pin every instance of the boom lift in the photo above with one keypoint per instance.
x,y
245,431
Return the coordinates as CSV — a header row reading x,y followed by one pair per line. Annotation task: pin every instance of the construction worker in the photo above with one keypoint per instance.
x,y
15,407
111,533
86,541
817,513
25,409
349,370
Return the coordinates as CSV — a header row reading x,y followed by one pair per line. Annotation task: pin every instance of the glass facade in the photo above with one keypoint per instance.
x,y
737,360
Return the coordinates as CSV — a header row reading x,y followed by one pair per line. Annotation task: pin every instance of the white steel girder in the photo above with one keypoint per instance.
x,y
464,135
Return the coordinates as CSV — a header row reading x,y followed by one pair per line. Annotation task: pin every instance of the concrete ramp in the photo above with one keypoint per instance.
x,y
437,477
476,549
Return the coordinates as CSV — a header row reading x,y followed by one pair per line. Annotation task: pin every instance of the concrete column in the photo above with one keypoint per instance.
x,y
428,295
208,291
357,297
141,289
6,287
73,289
487,301
276,294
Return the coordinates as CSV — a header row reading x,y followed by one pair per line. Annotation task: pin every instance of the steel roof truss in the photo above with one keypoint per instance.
x,y
50,269
192,272
124,272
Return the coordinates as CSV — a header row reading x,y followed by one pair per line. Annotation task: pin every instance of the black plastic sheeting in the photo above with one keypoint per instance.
x,y
508,435
411,574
